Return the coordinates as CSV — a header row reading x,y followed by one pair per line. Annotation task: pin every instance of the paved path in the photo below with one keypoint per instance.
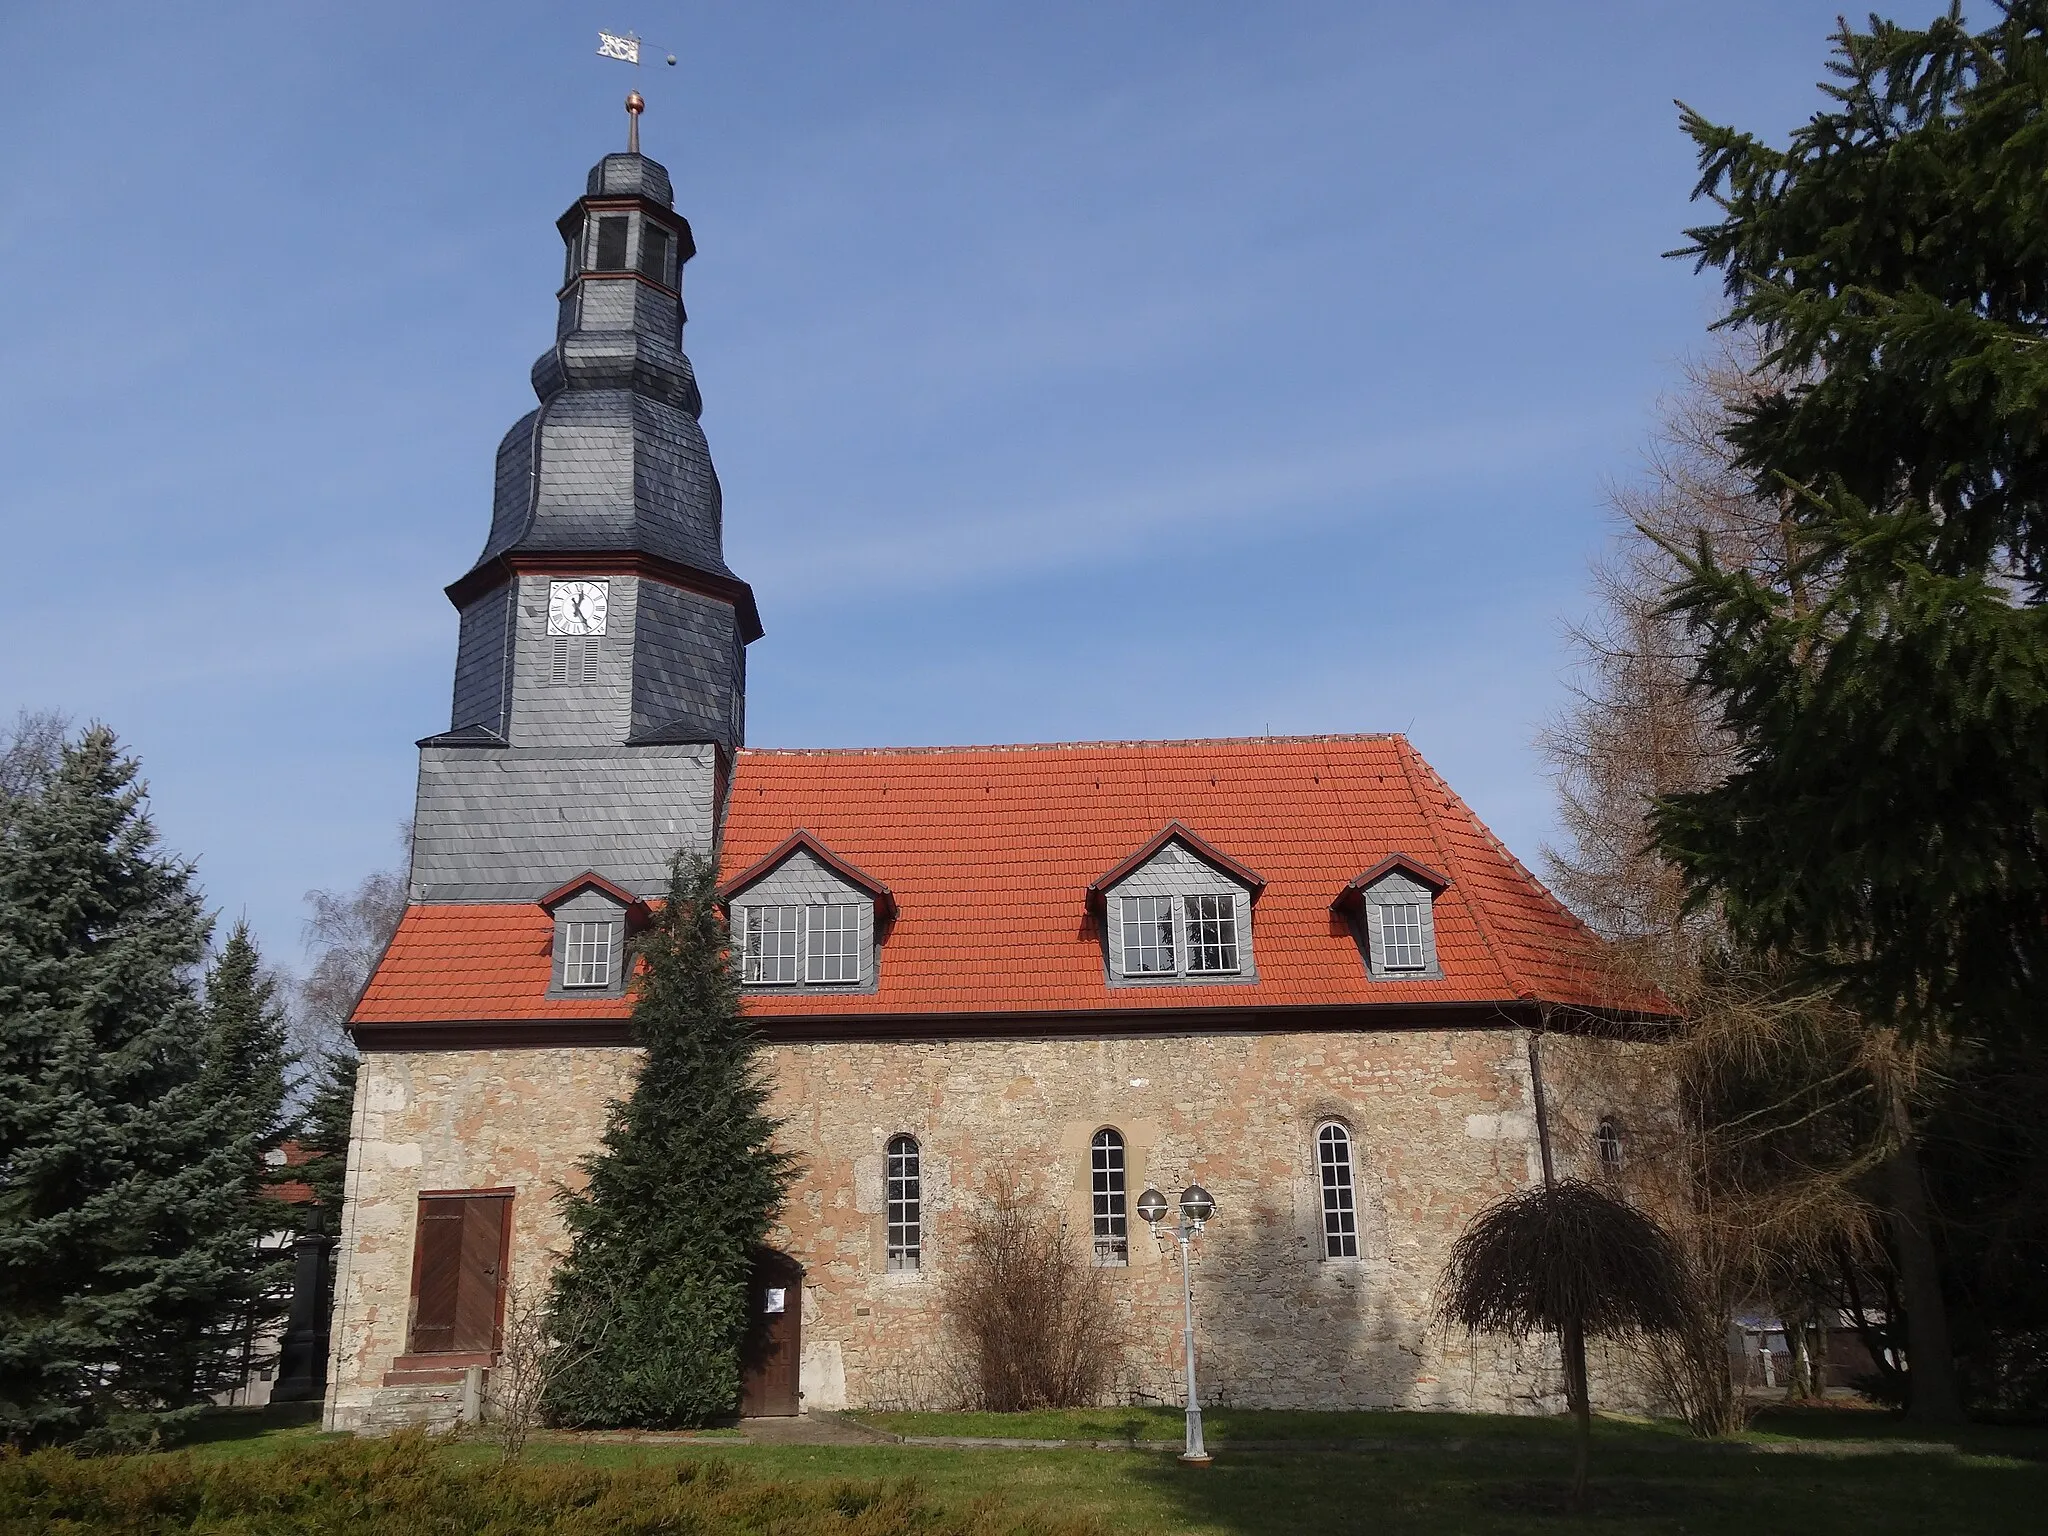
x,y
817,1428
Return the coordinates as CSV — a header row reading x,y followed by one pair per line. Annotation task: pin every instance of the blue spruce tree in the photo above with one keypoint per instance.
x,y
123,1189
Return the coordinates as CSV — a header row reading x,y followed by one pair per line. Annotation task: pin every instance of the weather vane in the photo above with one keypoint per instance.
x,y
625,47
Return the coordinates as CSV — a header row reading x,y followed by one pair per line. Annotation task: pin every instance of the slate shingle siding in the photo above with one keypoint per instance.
x,y
686,660
573,713
498,825
483,662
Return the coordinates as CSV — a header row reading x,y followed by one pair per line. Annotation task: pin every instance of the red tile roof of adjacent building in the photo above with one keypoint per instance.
x,y
990,852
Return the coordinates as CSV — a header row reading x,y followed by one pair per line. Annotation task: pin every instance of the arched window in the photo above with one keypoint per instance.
x,y
1340,1197
1112,1225
1612,1149
906,1204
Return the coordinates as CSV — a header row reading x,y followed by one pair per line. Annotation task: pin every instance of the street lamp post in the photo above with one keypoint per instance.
x,y
1195,1210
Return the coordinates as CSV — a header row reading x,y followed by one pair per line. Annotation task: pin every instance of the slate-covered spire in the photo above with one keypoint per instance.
x,y
613,461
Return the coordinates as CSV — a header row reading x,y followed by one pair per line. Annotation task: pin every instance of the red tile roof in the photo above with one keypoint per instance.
x,y
990,851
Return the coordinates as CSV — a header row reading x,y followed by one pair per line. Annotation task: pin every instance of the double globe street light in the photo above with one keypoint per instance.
x,y
1195,1210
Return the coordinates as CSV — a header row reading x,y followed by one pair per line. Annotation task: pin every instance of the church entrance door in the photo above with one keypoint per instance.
x,y
774,1342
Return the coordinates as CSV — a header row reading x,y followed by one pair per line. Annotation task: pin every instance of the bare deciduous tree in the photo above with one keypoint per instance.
x,y
346,932
1779,1089
531,1354
1036,1325
29,750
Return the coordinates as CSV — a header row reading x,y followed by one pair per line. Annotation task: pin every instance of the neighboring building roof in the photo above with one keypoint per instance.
x,y
990,853
289,1154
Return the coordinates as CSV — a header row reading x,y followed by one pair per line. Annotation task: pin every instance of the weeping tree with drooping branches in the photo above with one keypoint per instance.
x,y
1567,1258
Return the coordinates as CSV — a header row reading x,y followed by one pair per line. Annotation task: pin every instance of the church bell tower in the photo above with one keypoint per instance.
x,y
600,678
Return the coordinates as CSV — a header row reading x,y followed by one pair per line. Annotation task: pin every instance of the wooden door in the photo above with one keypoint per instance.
x,y
774,1342
458,1273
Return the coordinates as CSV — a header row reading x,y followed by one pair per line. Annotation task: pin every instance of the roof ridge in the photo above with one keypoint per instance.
x,y
1481,920
1135,743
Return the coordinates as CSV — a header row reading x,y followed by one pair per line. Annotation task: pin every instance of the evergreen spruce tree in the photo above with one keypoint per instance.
x,y
246,1083
650,1306
1885,823
119,1205
323,1133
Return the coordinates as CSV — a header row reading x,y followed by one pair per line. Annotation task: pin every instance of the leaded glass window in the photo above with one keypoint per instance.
x,y
654,242
1340,1196
1112,1219
611,243
906,1204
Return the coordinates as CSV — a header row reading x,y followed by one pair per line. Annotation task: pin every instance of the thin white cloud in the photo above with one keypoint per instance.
x,y
843,554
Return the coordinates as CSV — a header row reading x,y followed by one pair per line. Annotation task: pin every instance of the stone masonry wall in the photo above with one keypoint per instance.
x,y
1440,1122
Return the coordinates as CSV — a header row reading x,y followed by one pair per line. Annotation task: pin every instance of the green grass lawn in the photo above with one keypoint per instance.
x,y
1425,1473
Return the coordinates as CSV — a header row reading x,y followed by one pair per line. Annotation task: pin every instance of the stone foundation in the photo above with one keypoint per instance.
x,y
1440,1123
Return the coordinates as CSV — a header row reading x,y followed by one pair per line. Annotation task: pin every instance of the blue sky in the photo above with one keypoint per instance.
x,y
1073,371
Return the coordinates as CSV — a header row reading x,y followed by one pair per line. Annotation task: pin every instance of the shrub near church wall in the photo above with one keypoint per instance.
x,y
1440,1124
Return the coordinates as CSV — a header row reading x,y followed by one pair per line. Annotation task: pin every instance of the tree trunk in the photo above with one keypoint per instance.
x,y
1576,1393
1932,1394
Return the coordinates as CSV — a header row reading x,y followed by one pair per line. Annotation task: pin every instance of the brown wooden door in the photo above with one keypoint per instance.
x,y
459,1273
774,1342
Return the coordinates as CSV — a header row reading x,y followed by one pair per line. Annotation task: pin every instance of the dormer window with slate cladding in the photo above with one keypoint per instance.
x,y
1392,908
592,919
806,920
1177,910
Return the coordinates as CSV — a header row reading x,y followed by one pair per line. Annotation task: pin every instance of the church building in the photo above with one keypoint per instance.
x,y
1296,970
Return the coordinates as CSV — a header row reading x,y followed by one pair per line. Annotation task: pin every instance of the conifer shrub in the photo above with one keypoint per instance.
x,y
407,1485
650,1304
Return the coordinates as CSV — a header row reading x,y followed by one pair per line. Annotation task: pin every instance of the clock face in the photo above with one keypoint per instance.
x,y
577,607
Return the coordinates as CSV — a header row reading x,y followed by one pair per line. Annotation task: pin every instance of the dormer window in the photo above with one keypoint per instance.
x,y
1147,935
1177,910
592,918
587,954
819,942
1400,944
1393,913
805,918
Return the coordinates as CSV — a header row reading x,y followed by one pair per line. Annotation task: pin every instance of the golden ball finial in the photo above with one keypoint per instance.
x,y
634,104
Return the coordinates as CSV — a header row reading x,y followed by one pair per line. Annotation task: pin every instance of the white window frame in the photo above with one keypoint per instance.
x,y
1109,1197
1385,943
588,952
1225,919
903,1208
752,931
830,920
1337,1177
802,957
1168,906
